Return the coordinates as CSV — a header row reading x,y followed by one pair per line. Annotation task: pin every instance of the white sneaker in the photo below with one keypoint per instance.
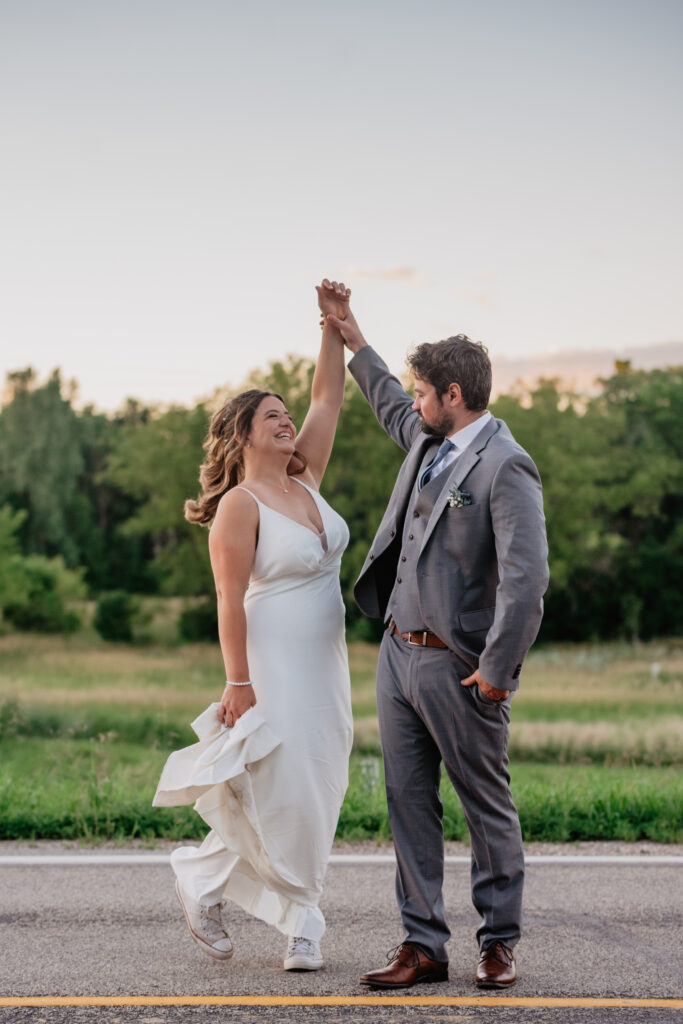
x,y
303,955
206,926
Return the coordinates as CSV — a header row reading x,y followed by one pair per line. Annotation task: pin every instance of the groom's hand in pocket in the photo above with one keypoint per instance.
x,y
234,702
489,691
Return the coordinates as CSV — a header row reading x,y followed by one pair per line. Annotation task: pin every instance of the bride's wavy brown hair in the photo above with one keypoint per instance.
x,y
223,466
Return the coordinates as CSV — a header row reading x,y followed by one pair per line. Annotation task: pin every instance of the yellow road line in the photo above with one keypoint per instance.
x,y
519,1001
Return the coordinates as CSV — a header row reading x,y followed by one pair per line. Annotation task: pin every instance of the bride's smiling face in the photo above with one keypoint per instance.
x,y
272,428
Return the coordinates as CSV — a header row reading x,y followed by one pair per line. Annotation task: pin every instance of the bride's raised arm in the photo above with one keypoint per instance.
x,y
316,436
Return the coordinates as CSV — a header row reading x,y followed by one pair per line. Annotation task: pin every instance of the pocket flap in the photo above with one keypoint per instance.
x,y
481,618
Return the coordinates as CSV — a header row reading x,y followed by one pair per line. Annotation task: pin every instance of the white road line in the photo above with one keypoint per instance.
x,y
137,859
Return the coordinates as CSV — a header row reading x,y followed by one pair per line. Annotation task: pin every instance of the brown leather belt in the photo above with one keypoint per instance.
x,y
423,638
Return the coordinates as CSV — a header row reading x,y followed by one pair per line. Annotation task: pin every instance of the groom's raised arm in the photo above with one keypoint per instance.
x,y
389,401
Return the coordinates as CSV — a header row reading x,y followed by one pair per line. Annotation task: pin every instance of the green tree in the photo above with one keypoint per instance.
x,y
107,492
612,473
50,458
41,462
156,464
13,582
648,496
35,591
571,442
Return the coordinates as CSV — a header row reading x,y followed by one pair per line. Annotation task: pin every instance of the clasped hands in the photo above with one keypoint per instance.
x,y
333,301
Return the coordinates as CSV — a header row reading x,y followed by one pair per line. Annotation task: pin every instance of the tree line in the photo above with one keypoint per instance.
x,y
92,503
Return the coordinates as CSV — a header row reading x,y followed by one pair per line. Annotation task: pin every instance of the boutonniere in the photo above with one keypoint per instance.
x,y
458,498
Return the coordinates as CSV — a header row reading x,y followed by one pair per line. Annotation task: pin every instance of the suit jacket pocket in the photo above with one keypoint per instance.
x,y
481,618
464,511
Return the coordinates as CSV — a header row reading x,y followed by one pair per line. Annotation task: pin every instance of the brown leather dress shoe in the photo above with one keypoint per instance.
x,y
496,968
406,965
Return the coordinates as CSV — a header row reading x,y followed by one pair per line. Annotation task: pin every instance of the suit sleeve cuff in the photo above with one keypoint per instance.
x,y
360,358
506,679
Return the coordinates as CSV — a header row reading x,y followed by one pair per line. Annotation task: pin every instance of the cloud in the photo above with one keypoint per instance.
x,y
579,369
482,291
382,273
483,299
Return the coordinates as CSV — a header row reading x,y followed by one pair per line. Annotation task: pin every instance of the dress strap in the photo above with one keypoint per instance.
x,y
305,486
241,487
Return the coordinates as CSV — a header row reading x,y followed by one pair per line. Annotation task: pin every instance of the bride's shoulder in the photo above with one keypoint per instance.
x,y
236,510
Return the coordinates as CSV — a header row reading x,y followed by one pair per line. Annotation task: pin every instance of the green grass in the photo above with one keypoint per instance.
x,y
85,727
85,789
102,789
554,804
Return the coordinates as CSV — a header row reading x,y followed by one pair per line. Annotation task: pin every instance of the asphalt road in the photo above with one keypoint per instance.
x,y
591,930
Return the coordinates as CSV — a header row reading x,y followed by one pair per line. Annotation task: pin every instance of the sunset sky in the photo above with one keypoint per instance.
x,y
176,176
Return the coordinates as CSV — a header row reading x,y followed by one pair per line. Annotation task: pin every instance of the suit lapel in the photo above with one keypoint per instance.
x,y
462,467
413,463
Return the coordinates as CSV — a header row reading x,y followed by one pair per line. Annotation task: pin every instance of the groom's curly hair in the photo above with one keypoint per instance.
x,y
455,360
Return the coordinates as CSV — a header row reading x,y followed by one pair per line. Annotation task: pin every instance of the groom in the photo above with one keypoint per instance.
x,y
457,571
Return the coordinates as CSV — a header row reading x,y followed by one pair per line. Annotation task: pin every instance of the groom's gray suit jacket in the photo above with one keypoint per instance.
x,y
482,568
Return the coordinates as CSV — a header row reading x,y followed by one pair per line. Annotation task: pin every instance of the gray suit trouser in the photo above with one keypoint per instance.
x,y
426,717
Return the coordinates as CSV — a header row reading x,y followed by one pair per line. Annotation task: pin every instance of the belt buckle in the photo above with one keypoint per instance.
x,y
415,643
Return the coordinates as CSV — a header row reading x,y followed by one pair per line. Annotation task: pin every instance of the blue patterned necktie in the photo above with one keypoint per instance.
x,y
426,474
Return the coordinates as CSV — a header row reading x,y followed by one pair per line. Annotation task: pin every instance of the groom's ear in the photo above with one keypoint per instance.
x,y
454,394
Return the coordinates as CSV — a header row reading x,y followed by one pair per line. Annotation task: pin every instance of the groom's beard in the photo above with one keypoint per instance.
x,y
442,426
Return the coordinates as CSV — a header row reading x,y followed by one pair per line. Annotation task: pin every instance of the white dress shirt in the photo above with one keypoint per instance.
x,y
461,439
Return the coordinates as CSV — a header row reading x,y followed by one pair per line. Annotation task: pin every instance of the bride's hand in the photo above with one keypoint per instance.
x,y
333,297
234,702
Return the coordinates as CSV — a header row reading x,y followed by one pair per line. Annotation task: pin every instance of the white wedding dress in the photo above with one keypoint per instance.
x,y
271,787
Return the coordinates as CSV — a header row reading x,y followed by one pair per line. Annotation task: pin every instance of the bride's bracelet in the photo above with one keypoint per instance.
x,y
229,682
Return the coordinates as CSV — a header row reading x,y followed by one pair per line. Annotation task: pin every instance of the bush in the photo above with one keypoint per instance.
x,y
115,615
43,588
13,582
199,622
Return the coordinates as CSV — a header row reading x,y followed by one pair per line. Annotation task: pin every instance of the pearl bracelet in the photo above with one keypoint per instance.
x,y
229,682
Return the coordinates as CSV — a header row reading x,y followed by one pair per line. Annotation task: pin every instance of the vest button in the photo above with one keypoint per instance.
x,y
393,533
398,579
371,557
403,558
410,536
416,515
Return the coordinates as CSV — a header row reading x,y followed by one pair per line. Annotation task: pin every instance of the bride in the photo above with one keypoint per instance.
x,y
271,766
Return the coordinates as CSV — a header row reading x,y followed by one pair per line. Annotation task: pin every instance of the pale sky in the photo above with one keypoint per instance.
x,y
176,176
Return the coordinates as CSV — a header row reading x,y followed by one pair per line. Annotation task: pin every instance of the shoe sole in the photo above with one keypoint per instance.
x,y
216,954
428,980
293,963
495,984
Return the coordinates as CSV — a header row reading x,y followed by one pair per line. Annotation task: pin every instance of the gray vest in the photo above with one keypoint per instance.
x,y
403,601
